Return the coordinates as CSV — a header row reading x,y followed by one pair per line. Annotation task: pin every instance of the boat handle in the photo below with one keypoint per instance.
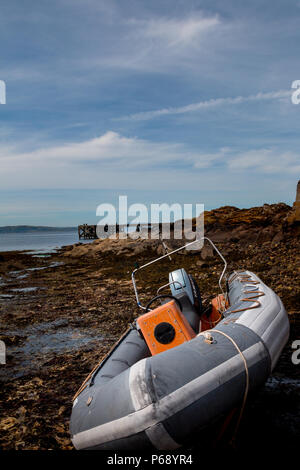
x,y
168,255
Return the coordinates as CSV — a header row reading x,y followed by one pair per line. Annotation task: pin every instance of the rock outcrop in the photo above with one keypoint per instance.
x,y
227,226
294,216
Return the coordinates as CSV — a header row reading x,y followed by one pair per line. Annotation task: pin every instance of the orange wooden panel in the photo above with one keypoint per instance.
x,y
170,314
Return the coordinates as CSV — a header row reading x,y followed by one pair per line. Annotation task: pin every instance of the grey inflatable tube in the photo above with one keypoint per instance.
x,y
134,401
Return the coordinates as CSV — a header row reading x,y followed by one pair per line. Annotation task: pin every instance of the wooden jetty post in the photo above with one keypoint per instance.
x,y
87,232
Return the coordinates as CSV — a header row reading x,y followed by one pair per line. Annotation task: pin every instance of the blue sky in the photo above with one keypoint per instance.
x,y
166,101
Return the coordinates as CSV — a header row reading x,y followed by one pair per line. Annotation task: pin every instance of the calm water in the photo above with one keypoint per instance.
x,y
43,241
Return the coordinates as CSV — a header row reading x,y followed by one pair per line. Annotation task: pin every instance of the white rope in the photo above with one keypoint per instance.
x,y
204,333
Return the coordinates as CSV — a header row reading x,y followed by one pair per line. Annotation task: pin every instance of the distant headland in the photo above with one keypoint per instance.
x,y
34,228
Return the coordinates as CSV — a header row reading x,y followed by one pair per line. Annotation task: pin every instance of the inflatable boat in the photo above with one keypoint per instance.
x,y
180,367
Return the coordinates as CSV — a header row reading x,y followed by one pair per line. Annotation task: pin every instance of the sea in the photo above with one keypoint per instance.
x,y
42,242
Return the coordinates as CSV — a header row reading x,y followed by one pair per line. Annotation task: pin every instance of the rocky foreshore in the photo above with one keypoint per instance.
x,y
60,315
230,226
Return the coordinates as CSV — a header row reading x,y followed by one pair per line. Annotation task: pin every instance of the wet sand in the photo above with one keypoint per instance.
x,y
60,314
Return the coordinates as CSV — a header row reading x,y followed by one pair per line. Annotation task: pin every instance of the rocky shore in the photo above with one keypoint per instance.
x,y
60,314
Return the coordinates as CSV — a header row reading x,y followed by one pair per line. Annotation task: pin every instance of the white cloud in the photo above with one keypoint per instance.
x,y
103,161
115,161
202,105
111,147
159,43
266,161
178,32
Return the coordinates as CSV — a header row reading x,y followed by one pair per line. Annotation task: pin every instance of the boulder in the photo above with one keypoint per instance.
x,y
207,252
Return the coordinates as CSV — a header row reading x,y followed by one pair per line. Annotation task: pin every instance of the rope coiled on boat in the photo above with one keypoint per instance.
x,y
247,278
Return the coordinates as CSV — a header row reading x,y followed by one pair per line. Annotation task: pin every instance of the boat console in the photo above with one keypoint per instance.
x,y
180,319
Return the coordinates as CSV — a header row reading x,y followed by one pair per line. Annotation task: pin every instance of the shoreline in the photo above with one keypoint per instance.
x,y
83,302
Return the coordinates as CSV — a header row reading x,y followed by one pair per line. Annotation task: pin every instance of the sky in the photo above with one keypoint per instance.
x,y
166,101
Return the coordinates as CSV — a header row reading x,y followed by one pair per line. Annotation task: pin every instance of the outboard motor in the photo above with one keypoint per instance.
x,y
184,288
